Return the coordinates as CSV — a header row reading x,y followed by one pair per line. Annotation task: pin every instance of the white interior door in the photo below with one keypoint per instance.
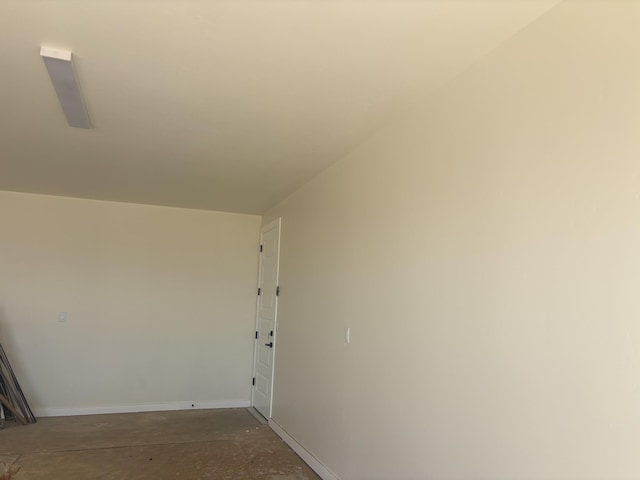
x,y
266,324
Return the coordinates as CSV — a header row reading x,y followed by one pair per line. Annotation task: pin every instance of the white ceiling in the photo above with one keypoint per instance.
x,y
222,105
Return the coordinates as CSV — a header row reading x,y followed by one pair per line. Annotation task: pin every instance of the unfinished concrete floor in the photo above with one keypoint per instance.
x,y
193,444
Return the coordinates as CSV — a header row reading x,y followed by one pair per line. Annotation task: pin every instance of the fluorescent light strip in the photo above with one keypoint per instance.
x,y
63,76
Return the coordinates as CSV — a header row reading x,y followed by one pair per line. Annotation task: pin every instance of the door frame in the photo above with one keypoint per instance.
x,y
278,223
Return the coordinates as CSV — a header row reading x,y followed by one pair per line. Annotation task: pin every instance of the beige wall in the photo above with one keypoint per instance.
x,y
160,303
485,252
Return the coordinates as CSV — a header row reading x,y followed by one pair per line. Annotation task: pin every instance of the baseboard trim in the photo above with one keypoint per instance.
x,y
257,415
141,407
315,465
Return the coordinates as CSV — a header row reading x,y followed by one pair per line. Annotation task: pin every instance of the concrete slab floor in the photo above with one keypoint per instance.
x,y
193,444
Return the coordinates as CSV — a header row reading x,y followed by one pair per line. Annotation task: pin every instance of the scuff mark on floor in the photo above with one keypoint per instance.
x,y
9,470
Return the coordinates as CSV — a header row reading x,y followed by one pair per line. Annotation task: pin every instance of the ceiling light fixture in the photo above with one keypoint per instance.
x,y
63,76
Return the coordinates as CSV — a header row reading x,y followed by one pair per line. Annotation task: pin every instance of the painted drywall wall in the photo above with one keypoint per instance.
x,y
160,304
483,249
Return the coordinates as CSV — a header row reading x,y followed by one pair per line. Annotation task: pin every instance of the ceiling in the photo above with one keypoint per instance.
x,y
223,105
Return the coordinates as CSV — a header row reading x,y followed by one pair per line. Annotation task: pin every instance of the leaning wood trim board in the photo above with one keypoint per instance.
x,y
5,401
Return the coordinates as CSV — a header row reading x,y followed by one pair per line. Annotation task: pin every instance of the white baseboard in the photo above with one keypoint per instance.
x,y
142,407
303,453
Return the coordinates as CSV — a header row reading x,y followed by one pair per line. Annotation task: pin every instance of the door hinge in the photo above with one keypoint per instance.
x,y
278,291
261,248
253,382
256,335
259,290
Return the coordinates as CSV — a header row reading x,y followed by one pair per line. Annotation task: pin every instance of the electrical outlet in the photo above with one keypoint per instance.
x,y
62,317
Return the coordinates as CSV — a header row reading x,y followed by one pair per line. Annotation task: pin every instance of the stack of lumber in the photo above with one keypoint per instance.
x,y
13,404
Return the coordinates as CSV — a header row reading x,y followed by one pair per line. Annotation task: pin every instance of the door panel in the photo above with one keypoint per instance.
x,y
266,318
